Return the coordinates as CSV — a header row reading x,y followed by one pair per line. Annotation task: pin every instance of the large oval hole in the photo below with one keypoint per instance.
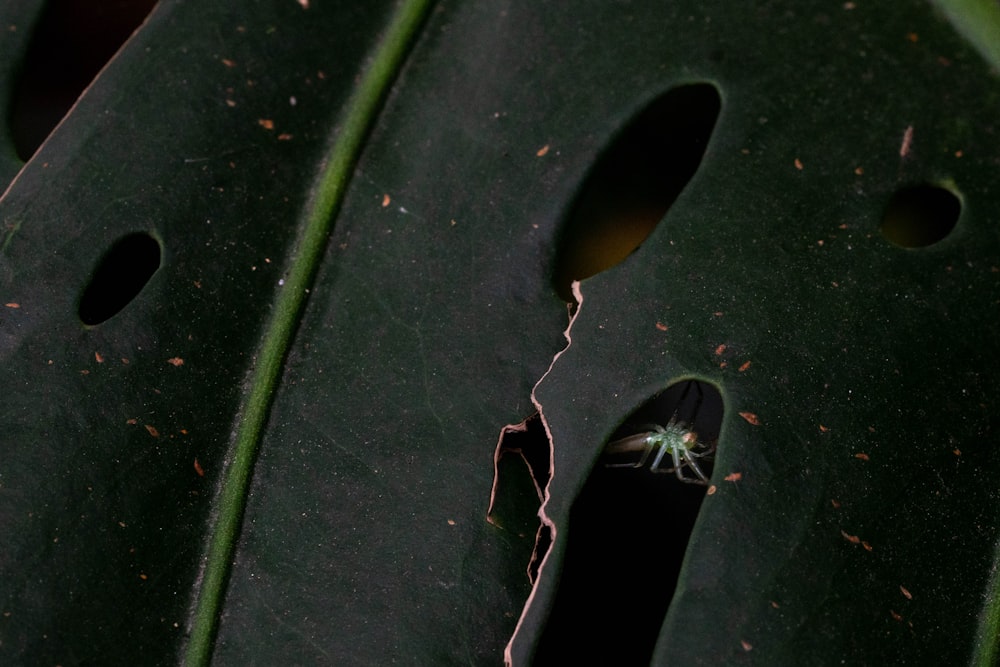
x,y
920,215
628,532
634,182
122,273
71,42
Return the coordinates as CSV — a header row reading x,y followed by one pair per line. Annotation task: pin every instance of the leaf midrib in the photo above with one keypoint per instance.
x,y
359,116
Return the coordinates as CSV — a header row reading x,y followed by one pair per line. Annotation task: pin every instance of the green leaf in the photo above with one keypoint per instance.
x,y
281,451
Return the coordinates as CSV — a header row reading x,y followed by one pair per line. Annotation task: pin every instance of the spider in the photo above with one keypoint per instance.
x,y
681,443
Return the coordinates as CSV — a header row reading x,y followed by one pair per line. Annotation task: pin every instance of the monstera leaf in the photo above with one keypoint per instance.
x,y
286,293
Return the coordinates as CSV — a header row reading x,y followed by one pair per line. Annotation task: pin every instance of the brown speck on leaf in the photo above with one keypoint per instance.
x,y
386,200
958,153
230,103
718,313
719,350
751,418
152,430
84,372
284,136
798,164
895,615
744,366
661,326
849,6
711,490
175,361
451,522
913,37
747,646
143,577
132,422
12,304
198,469
774,604
836,505
228,63
907,594
824,429
956,451
866,545
862,456
304,4
98,358
733,477
723,364
853,539
904,148
184,431
266,123
542,151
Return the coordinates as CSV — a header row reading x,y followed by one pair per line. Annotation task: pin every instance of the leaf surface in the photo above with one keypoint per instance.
x,y
422,314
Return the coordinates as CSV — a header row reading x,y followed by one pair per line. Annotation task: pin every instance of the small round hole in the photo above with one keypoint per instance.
x,y
122,273
920,215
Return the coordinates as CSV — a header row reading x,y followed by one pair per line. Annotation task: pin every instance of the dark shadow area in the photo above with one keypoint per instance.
x,y
71,42
634,182
122,273
920,215
628,533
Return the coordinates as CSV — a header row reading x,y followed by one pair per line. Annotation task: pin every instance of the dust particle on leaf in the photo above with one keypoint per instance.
x,y
751,418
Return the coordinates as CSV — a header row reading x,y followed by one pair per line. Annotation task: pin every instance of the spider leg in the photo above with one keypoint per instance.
x,y
655,467
697,471
678,467
628,445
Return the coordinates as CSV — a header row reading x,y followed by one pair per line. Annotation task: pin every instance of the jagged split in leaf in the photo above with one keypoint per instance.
x,y
527,446
548,531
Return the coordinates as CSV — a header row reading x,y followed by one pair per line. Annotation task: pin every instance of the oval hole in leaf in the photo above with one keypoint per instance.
x,y
123,272
634,182
628,533
71,42
920,215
